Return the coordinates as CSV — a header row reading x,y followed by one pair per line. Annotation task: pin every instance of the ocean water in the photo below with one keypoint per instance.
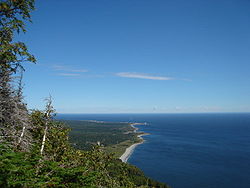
x,y
190,150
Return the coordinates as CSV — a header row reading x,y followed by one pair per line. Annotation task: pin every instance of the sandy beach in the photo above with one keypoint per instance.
x,y
128,152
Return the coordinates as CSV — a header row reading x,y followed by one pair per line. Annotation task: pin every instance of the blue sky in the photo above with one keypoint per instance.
x,y
140,56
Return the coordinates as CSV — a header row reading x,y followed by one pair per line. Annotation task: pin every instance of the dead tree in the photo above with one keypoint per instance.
x,y
48,114
7,107
25,138
14,117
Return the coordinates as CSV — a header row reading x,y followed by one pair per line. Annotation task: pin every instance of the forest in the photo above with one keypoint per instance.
x,y
85,134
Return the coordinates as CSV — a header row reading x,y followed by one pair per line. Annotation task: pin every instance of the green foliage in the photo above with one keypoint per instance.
x,y
13,14
19,169
16,168
57,140
134,174
64,166
78,169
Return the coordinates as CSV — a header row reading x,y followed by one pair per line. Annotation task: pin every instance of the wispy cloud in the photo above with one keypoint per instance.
x,y
68,74
64,68
142,76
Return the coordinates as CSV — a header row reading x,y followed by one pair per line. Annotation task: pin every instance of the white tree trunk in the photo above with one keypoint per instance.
x,y
44,138
49,110
21,136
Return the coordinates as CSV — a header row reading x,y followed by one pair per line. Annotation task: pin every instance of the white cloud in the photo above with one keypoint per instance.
x,y
64,68
68,74
142,76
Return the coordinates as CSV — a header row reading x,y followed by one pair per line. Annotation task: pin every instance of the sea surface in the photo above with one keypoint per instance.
x,y
190,150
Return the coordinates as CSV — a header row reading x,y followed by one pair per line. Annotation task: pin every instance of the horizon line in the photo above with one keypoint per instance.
x,y
158,113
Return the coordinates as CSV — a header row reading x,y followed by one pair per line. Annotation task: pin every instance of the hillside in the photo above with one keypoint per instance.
x,y
64,166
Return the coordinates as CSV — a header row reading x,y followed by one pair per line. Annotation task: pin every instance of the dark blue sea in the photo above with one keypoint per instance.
x,y
190,150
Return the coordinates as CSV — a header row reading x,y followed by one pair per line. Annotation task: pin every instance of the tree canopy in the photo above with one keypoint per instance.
x,y
13,15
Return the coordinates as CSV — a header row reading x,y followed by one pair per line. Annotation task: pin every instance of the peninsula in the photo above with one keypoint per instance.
x,y
118,138
129,150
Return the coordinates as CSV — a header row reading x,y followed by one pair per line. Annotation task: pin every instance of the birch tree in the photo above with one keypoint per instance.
x,y
48,115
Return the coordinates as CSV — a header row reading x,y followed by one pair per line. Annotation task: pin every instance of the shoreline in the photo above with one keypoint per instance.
x,y
129,150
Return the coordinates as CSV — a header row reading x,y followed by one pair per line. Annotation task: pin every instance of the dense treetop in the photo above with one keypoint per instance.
x,y
13,14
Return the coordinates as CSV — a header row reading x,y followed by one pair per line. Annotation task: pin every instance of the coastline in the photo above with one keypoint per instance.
x,y
128,152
